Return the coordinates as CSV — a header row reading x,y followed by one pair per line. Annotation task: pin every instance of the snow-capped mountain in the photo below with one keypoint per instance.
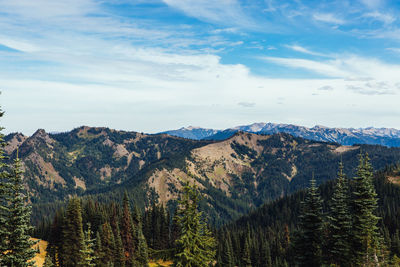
x,y
346,136
191,132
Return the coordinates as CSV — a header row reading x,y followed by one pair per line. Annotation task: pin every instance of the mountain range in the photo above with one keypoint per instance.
x,y
234,175
346,136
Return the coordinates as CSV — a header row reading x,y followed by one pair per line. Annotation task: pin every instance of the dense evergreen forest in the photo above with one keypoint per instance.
x,y
273,231
313,227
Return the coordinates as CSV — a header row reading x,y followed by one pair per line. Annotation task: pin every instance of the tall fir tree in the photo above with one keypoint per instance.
x,y
141,249
4,197
73,238
48,262
266,260
127,233
119,255
227,253
88,256
308,244
365,236
338,243
246,254
19,244
195,245
107,244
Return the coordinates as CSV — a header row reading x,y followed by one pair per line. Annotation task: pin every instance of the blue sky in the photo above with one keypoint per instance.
x,y
152,65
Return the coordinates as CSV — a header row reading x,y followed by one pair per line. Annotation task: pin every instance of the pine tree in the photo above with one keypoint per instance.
x,y
365,234
73,242
19,245
266,255
4,197
119,255
141,256
107,244
98,250
127,233
48,262
88,257
246,260
195,245
309,240
227,253
339,223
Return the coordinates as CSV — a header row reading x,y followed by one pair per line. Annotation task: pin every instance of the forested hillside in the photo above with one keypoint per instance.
x,y
268,236
270,231
235,175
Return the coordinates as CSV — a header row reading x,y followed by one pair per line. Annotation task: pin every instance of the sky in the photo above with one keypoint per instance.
x,y
155,65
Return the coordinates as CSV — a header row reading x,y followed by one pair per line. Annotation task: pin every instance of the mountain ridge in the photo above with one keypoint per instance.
x,y
346,136
234,175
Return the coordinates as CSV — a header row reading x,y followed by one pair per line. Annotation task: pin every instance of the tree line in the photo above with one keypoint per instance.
x,y
89,233
15,229
341,223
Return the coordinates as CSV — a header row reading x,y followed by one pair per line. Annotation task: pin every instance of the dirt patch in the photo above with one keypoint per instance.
x,y
394,179
120,151
141,163
342,149
108,142
105,172
292,174
79,183
46,170
165,183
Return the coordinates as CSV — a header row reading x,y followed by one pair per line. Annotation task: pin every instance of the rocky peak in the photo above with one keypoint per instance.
x,y
41,135
13,141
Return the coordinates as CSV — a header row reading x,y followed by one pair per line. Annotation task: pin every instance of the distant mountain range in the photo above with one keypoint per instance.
x,y
346,136
235,175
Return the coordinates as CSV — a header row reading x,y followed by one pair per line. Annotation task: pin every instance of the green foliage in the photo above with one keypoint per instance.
x,y
195,245
73,237
19,249
308,243
88,255
365,234
338,243
48,262
276,223
4,196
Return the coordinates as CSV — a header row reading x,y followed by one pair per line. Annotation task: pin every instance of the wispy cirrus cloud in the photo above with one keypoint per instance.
x,y
150,66
386,18
223,11
304,50
328,18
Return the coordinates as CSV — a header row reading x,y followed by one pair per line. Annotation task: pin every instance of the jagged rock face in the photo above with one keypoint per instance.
x,y
234,174
345,136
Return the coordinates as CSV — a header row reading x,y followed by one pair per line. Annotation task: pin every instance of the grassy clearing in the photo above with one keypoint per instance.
x,y
39,258
160,263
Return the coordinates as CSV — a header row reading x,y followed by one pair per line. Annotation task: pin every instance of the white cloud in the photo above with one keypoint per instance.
x,y
349,67
394,49
372,3
228,12
328,18
329,69
383,17
140,75
326,88
304,50
247,104
18,45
